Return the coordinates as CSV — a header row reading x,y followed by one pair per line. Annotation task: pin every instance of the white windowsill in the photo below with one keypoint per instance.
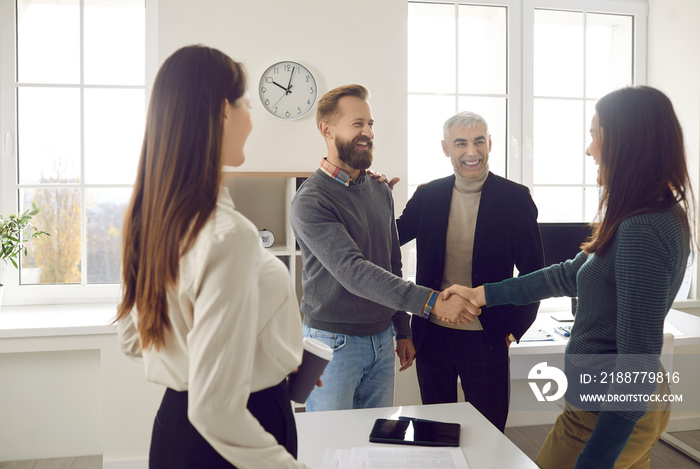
x,y
57,320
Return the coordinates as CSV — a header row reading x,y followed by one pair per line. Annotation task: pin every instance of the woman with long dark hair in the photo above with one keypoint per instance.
x,y
626,278
213,314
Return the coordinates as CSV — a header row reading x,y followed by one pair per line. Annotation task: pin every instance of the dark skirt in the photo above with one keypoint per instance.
x,y
176,444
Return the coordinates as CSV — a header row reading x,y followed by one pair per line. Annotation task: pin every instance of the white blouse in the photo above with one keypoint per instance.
x,y
235,329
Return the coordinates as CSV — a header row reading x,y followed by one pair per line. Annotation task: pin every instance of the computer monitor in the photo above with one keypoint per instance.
x,y
562,241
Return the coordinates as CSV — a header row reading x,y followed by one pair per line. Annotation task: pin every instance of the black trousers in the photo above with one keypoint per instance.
x,y
176,444
446,353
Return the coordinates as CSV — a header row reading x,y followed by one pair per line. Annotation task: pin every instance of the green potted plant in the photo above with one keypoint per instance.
x,y
15,232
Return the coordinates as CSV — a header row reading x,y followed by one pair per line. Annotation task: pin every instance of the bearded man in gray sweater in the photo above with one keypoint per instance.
x,y
354,297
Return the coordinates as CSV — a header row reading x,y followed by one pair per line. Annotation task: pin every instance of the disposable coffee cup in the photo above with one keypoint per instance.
x,y
316,357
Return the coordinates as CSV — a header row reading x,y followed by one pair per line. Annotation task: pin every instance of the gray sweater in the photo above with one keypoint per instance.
x,y
352,260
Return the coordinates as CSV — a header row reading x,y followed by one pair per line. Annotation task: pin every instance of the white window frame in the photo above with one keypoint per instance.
x,y
513,93
16,294
636,8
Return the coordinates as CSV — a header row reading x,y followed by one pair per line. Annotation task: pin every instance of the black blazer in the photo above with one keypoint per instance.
x,y
506,235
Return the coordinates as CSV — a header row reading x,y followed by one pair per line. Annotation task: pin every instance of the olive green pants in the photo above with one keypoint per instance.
x,y
573,427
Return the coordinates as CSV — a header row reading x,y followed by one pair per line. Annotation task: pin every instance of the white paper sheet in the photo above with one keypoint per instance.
x,y
338,459
535,334
403,457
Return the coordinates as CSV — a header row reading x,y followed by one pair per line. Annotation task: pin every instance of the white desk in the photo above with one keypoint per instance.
x,y
684,327
523,356
483,445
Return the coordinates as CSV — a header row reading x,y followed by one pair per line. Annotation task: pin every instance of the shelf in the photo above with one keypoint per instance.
x,y
265,199
280,251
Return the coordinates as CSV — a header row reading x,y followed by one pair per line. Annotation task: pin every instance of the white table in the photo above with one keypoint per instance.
x,y
483,445
523,356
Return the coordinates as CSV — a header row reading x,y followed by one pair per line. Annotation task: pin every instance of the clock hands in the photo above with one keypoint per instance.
x,y
288,89
285,89
275,105
289,85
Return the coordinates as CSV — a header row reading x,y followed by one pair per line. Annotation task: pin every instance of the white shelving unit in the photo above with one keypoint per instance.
x,y
265,198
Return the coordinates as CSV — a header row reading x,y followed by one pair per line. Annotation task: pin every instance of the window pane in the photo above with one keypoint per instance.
x,y
55,259
559,203
608,53
48,130
115,42
558,54
558,151
410,260
494,111
482,69
591,169
105,213
114,126
431,48
592,198
426,115
48,42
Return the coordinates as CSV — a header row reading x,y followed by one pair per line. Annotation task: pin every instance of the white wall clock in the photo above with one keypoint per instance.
x,y
287,90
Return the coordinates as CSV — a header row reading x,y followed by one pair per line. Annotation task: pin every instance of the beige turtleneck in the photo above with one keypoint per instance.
x,y
459,244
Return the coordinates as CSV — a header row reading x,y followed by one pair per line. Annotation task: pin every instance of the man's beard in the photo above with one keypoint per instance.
x,y
356,158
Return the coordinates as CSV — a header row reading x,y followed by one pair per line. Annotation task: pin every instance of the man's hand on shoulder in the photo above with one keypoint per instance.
x,y
383,178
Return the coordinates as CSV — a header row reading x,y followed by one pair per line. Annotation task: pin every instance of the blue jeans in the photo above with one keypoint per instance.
x,y
361,374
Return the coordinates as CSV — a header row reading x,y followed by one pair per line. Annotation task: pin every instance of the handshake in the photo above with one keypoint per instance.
x,y
459,304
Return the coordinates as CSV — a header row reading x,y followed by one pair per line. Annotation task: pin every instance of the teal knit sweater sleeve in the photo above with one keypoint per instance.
x,y
553,281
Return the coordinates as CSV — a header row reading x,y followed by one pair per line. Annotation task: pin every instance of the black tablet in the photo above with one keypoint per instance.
x,y
415,432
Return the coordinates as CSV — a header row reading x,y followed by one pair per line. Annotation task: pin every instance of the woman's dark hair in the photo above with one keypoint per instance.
x,y
643,164
178,178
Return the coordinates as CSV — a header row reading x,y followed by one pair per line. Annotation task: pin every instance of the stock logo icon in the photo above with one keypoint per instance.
x,y
552,374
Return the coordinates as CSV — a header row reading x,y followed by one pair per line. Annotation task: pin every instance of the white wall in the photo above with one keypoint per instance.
x,y
341,42
674,66
73,395
31,383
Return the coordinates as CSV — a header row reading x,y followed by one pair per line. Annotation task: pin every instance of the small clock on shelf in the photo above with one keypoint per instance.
x,y
267,237
287,90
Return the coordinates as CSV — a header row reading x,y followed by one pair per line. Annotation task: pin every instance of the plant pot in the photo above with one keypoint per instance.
x,y
2,290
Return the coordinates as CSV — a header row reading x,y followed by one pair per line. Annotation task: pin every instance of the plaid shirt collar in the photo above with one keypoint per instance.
x,y
340,175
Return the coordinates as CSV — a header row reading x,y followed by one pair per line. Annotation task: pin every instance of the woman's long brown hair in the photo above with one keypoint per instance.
x,y
643,162
178,179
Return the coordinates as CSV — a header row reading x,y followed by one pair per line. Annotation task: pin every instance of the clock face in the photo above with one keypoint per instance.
x,y
287,90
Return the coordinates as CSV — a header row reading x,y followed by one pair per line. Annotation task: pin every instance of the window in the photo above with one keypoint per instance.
x,y
577,57
457,60
76,81
534,69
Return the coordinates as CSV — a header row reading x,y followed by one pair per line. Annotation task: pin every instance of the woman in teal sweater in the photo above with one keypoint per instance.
x,y
626,278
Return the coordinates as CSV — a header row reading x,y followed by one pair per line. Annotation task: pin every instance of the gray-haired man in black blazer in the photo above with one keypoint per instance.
x,y
471,227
